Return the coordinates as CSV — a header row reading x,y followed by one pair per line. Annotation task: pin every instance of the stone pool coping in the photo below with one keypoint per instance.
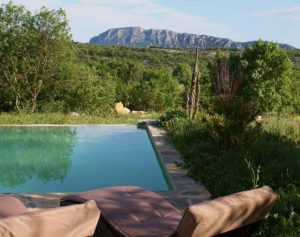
x,y
185,191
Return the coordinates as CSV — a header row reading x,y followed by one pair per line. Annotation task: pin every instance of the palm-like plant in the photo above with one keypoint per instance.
x,y
232,110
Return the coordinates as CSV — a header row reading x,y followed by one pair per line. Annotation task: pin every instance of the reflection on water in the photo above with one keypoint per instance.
x,y
41,152
74,159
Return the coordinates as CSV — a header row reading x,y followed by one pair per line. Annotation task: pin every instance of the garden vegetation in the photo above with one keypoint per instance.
x,y
246,133
238,143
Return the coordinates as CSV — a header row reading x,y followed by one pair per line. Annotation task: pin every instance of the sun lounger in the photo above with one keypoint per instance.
x,y
72,221
135,212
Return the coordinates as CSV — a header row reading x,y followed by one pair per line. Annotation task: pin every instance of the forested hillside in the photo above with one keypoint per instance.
x,y
136,72
146,79
43,70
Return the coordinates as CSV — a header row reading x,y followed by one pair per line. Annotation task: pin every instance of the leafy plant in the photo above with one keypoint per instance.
x,y
171,116
246,85
254,173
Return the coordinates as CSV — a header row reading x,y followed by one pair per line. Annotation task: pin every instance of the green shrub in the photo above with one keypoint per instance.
x,y
171,116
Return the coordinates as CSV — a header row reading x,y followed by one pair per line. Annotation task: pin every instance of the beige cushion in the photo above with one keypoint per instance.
x,y
10,206
227,213
72,221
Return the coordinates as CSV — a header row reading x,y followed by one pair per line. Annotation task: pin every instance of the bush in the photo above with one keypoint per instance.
x,y
246,85
171,116
77,88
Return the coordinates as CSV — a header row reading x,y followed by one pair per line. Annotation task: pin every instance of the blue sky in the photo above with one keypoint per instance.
x,y
242,20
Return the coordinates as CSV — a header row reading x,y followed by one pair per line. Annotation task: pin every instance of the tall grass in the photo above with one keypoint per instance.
x,y
286,126
269,155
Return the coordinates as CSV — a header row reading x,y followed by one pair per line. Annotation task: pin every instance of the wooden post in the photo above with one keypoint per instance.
x,y
194,92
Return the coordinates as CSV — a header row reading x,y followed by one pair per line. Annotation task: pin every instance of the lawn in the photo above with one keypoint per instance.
x,y
59,118
269,155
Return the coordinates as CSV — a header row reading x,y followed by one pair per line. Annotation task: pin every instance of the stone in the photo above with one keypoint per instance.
x,y
120,109
74,114
126,110
258,119
139,112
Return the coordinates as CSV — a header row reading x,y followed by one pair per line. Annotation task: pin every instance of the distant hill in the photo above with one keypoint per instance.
x,y
139,37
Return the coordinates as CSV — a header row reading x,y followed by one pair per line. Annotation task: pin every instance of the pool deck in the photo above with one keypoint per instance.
x,y
185,192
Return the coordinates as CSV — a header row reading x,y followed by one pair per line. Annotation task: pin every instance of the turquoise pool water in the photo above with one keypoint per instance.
x,y
79,158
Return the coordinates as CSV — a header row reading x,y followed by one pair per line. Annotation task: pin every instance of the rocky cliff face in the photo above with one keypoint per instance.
x,y
139,37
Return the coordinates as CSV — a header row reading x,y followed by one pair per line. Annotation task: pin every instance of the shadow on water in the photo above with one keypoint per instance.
x,y
43,153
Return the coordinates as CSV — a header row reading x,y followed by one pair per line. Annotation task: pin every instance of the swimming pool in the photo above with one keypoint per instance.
x,y
44,159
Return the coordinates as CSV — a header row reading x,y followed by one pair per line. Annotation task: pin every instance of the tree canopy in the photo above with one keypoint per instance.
x,y
268,76
42,70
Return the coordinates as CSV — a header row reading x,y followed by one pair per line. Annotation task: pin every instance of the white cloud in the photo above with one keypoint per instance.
x,y
292,13
91,17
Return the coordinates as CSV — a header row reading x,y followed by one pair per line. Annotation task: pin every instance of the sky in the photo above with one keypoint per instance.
x,y
240,20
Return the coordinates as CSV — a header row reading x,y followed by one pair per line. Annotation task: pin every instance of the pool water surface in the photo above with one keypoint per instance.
x,y
44,159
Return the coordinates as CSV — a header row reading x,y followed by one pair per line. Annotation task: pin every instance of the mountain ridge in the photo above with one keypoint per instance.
x,y
140,37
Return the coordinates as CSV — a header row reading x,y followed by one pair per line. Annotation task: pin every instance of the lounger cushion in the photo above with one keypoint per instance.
x,y
227,213
133,211
71,221
10,206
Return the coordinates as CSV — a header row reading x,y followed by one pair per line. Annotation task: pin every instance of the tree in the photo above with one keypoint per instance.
x,y
247,84
261,77
157,90
32,46
76,87
49,42
183,73
268,72
296,86
13,31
